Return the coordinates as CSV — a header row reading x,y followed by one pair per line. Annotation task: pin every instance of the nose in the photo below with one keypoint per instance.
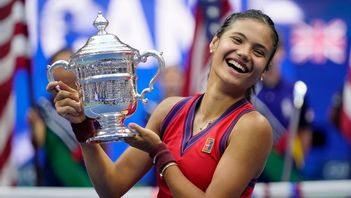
x,y
243,52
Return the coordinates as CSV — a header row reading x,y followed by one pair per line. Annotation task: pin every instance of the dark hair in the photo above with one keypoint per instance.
x,y
257,15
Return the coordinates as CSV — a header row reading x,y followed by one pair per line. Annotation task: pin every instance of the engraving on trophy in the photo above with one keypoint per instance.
x,y
105,69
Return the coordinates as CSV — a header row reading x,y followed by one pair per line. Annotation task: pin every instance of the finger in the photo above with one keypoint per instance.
x,y
62,94
67,110
143,133
135,126
65,87
140,130
67,102
51,87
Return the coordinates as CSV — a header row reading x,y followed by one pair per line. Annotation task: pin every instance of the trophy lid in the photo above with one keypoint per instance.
x,y
104,42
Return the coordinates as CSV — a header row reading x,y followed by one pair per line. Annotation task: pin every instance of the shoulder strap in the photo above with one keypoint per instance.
x,y
175,109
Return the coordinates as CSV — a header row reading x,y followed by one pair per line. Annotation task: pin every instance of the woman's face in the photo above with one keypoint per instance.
x,y
241,54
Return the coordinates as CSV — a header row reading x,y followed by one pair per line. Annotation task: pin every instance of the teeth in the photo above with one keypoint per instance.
x,y
237,65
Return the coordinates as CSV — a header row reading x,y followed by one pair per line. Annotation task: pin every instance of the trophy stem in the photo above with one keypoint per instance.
x,y
111,121
112,130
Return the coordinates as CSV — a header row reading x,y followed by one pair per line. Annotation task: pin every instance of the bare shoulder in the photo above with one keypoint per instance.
x,y
161,112
166,105
255,128
255,121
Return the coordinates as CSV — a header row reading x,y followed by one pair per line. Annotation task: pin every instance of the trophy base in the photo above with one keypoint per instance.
x,y
111,135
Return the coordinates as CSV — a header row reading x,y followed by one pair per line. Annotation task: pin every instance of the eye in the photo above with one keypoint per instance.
x,y
237,40
259,53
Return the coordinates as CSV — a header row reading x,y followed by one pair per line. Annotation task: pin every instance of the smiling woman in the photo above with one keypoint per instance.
x,y
193,160
254,49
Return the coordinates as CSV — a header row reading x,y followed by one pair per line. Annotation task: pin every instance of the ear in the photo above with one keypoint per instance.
x,y
214,44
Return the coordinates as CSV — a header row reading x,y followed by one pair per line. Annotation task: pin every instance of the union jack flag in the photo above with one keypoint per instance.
x,y
208,15
319,41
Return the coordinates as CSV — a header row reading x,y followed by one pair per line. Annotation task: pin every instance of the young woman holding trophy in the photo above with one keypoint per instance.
x,y
213,144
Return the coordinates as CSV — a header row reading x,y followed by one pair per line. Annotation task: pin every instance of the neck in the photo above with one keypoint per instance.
x,y
214,104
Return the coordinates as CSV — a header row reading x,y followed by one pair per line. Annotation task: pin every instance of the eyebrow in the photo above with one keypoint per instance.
x,y
255,44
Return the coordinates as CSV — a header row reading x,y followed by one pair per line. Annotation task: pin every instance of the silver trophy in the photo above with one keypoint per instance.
x,y
105,71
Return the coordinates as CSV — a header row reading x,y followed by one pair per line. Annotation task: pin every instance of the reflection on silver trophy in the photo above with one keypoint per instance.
x,y
105,71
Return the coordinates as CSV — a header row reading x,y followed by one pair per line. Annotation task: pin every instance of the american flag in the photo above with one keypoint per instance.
x,y
13,55
208,15
319,42
346,107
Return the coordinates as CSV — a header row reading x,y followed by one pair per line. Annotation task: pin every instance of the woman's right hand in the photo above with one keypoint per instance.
x,y
67,101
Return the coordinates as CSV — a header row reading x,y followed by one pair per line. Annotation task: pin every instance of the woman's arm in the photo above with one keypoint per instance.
x,y
114,179
130,166
109,179
244,159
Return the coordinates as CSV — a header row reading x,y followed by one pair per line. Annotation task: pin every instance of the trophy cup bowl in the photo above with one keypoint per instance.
x,y
105,72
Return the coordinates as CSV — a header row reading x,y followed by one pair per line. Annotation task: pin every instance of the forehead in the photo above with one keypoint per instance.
x,y
254,30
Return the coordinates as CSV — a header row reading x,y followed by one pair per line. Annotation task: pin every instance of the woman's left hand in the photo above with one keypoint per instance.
x,y
145,139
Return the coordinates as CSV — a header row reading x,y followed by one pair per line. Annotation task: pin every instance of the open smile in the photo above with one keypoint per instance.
x,y
241,68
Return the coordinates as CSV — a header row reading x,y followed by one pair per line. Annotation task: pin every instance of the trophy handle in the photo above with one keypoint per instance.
x,y
56,64
161,64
